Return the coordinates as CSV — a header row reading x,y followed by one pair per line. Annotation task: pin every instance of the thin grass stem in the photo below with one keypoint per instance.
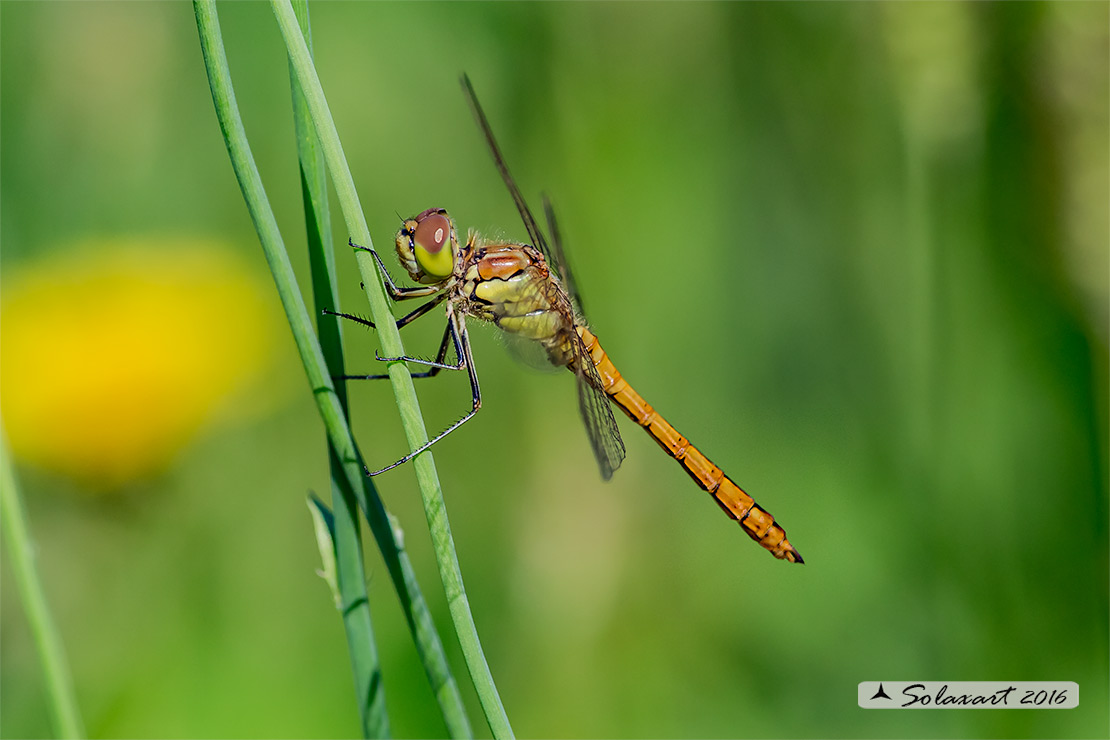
x,y
407,404
389,538
65,714
364,657
346,539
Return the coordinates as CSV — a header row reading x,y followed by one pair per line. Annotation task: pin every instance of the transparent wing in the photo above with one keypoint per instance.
x,y
553,255
530,224
559,258
597,413
593,402
601,425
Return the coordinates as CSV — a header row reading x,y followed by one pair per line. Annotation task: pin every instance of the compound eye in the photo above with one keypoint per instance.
x,y
433,230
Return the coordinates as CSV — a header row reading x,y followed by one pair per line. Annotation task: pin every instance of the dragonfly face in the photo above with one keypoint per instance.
x,y
428,246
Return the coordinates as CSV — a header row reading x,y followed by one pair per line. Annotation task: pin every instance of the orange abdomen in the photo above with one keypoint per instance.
x,y
755,520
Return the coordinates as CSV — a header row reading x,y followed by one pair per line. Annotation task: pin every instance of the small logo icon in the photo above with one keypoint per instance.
x,y
880,694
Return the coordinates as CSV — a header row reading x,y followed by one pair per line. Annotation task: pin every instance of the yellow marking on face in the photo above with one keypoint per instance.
x,y
438,264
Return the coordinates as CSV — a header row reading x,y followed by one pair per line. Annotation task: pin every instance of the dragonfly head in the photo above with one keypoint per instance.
x,y
428,246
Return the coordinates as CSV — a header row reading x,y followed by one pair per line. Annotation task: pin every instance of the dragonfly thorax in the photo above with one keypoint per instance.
x,y
511,286
428,246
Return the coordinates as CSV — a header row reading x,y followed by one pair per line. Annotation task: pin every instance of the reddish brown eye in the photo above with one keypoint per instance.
x,y
432,231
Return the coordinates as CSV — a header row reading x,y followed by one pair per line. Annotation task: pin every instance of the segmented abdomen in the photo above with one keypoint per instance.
x,y
756,521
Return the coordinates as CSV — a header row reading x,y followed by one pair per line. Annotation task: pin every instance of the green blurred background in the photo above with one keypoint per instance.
x,y
857,252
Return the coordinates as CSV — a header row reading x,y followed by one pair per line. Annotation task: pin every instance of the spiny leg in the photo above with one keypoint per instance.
x,y
436,366
398,294
462,342
401,322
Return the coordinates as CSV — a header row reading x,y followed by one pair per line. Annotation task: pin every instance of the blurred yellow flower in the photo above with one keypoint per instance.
x,y
113,357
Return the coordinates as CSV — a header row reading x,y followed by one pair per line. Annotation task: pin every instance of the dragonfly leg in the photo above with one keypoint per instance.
x,y
462,342
398,294
349,317
438,365
442,355
401,322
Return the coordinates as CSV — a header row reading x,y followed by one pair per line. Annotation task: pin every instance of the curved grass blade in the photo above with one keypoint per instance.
x,y
387,536
430,489
351,577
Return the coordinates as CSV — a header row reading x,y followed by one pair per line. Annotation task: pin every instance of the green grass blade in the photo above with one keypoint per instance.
x,y
388,537
345,529
412,421
364,657
59,683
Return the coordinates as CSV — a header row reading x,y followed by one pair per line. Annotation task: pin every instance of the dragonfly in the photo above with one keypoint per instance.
x,y
528,290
